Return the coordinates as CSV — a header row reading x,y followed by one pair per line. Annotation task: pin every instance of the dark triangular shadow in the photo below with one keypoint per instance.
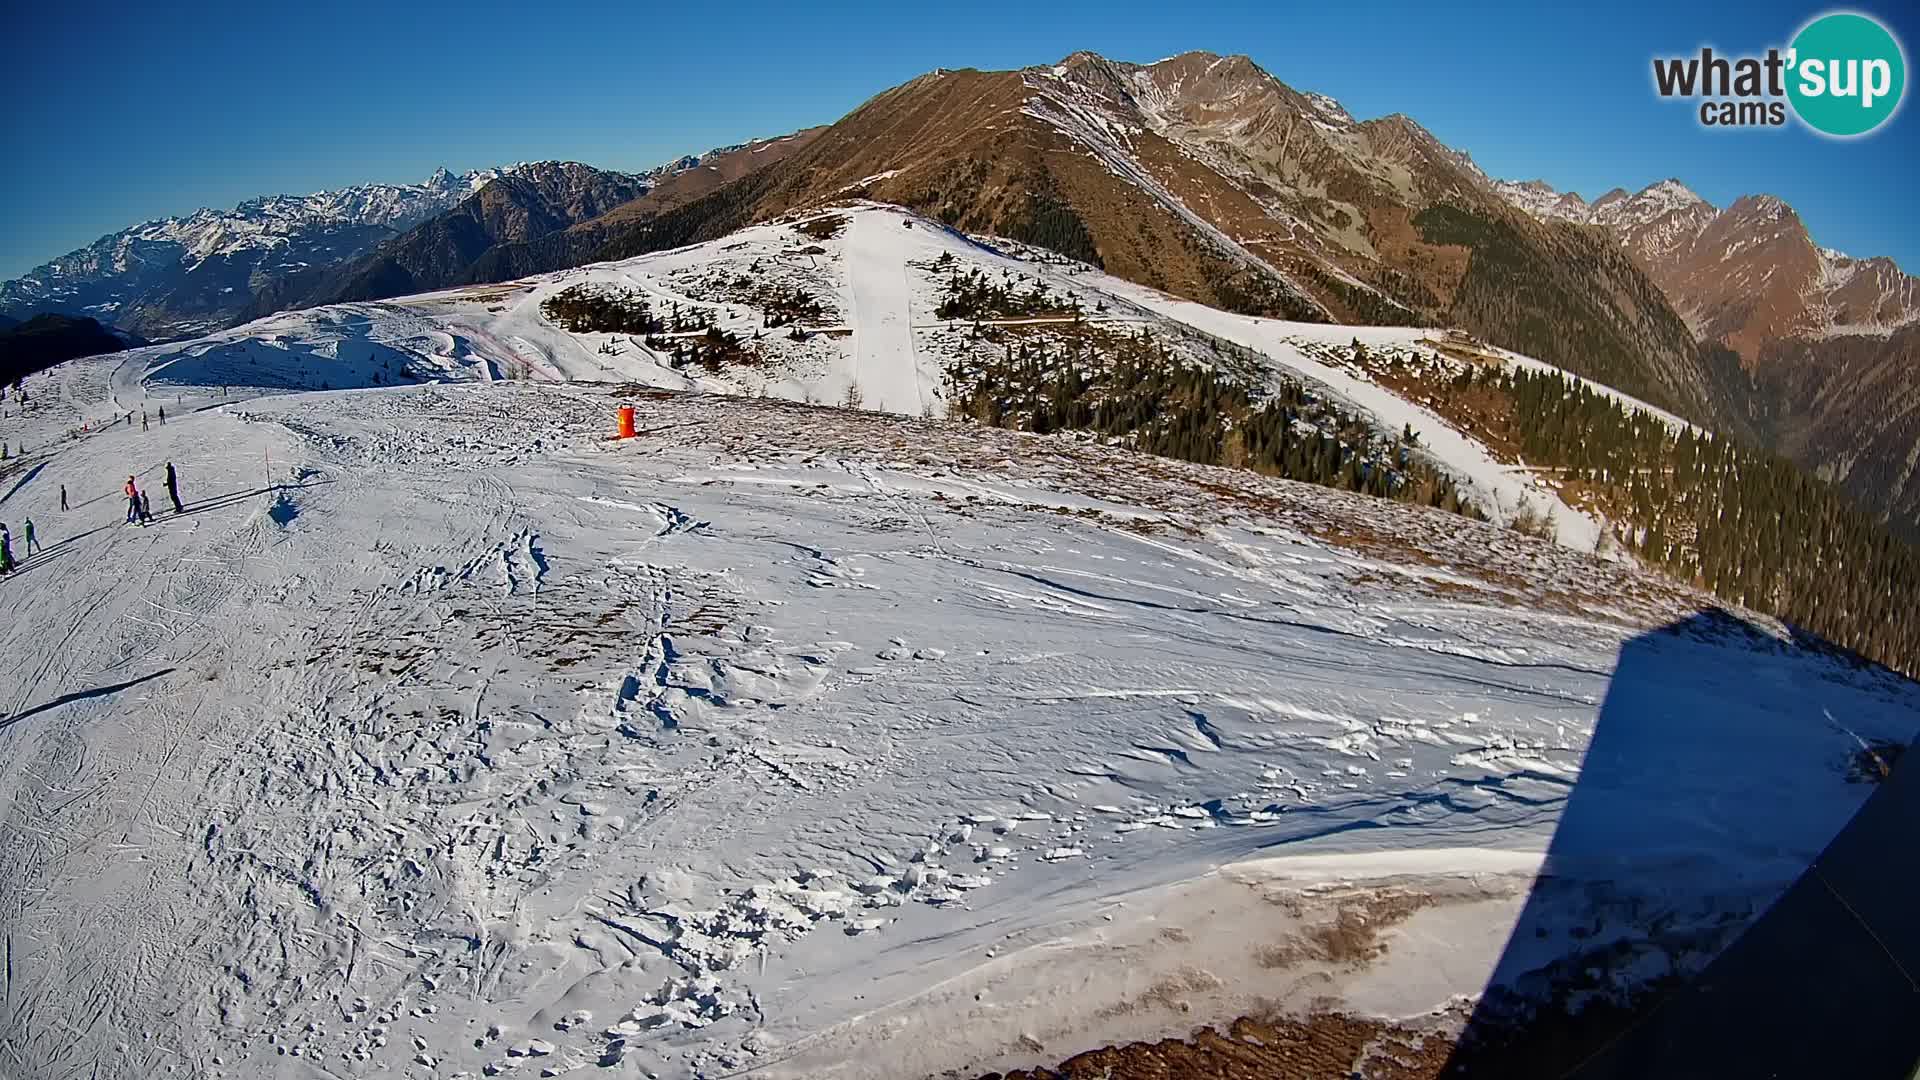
x,y
1654,868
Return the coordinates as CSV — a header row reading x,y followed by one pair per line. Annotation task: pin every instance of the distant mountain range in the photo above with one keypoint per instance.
x,y
521,203
1819,352
1201,175
180,277
174,277
539,217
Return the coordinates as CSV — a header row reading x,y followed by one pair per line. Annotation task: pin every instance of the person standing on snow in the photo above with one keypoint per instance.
x,y
33,545
173,489
133,501
6,550
163,416
63,498
146,510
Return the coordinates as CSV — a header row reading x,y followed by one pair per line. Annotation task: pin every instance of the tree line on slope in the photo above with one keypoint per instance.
x,y
1746,525
1573,299
1134,390
686,334
977,295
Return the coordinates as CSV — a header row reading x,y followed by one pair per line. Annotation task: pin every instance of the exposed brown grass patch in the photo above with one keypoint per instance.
x,y
1351,938
825,227
1322,1047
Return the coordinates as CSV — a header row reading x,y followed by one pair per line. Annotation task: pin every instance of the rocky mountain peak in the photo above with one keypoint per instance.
x,y
1672,192
1763,210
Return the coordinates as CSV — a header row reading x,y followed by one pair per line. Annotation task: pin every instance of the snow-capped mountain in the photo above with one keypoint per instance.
x,y
1651,224
172,277
1538,198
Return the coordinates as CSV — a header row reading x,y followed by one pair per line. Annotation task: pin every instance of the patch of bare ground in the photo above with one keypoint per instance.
x,y
1169,995
1351,938
825,227
1338,1046
1329,1046
1496,1041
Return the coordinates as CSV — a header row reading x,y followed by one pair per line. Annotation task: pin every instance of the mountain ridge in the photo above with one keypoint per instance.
x,y
182,275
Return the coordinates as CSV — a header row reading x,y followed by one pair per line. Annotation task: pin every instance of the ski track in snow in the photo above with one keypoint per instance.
x,y
442,736
886,365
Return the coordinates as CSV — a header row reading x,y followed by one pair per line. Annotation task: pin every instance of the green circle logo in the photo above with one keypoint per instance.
x,y
1848,74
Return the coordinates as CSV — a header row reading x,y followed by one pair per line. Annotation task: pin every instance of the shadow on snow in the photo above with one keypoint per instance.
x,y
81,695
1654,860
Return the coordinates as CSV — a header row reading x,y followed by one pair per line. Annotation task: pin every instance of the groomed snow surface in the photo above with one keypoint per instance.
x,y
442,736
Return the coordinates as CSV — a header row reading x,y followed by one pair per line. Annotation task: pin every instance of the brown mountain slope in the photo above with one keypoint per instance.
x,y
703,175
981,152
1847,406
687,181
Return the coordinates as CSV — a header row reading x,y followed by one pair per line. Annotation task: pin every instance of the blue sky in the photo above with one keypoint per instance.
x,y
117,113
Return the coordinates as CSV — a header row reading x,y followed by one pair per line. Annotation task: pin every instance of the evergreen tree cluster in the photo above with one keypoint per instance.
x,y
978,295
784,306
782,303
1748,526
1132,388
712,350
686,334
1364,305
1047,221
1246,291
590,309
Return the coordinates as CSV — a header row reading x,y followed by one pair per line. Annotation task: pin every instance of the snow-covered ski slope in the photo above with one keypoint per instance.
x,y
442,737
877,341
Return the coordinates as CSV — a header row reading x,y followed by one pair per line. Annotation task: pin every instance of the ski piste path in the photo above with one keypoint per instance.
x,y
442,735
887,365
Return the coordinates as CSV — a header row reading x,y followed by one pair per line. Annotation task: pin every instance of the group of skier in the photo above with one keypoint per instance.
x,y
138,513
138,510
7,565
